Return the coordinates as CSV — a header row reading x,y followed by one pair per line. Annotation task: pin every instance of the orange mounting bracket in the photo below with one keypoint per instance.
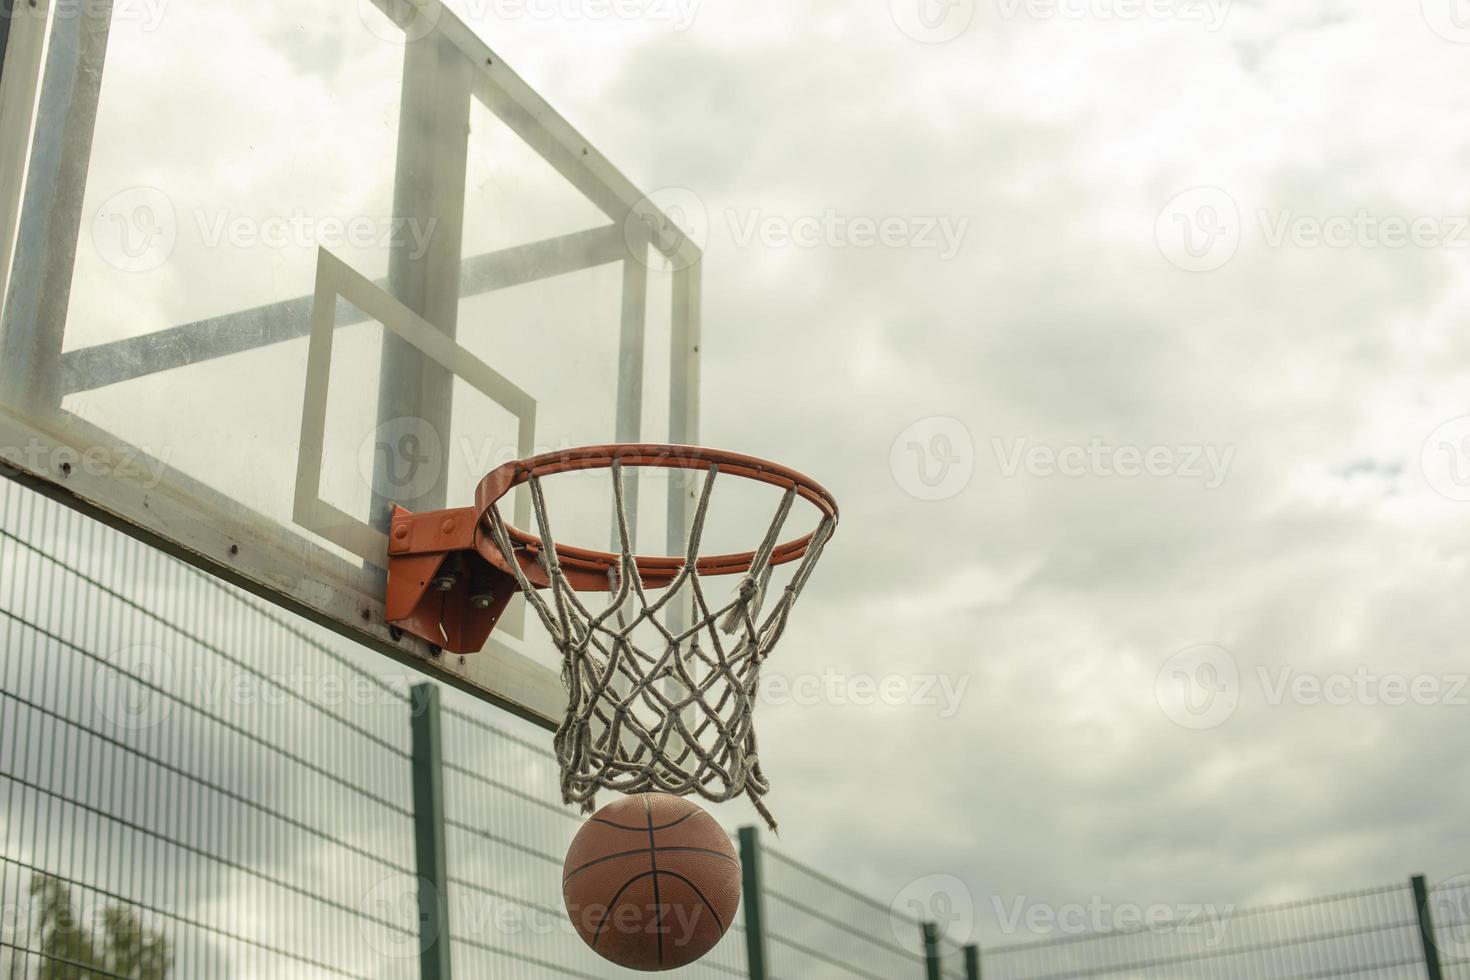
x,y
440,588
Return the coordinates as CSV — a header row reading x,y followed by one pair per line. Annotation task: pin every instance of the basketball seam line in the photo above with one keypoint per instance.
x,y
707,903
607,914
623,826
666,849
658,911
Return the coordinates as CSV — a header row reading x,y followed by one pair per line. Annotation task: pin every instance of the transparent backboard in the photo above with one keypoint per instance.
x,y
273,269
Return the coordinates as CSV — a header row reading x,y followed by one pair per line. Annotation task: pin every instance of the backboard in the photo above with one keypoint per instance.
x,y
272,269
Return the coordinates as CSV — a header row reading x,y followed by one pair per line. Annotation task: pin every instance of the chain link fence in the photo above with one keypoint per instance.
x,y
195,784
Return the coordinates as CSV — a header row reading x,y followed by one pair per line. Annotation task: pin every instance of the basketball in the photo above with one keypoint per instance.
x,y
651,882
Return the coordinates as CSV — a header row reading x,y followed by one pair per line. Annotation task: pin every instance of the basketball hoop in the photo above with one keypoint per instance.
x,y
667,711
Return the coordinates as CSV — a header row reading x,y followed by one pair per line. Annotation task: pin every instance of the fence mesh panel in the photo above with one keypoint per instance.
x,y
821,929
1371,934
178,771
194,783
1450,908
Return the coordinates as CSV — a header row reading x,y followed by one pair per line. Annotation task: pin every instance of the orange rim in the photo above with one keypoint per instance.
x,y
659,569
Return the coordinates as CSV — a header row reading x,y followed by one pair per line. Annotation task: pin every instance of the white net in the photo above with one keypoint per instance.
x,y
655,705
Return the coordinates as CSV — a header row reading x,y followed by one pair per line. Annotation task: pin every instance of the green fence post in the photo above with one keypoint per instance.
x,y
1426,928
931,952
757,950
428,827
972,962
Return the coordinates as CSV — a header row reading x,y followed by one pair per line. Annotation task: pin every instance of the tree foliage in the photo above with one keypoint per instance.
x,y
121,947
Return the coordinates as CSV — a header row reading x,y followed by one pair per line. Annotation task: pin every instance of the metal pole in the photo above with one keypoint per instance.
x,y
415,393
428,826
51,210
931,952
7,14
972,962
1426,929
757,949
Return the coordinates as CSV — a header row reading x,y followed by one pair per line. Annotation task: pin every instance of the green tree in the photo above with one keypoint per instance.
x,y
70,952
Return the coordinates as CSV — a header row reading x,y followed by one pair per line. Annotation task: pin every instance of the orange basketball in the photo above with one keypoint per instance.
x,y
651,882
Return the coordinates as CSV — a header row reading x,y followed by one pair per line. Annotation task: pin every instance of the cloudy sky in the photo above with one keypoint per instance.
x,y
1162,464
1125,332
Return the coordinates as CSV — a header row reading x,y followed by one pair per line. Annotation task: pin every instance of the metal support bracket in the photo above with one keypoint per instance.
x,y
440,588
